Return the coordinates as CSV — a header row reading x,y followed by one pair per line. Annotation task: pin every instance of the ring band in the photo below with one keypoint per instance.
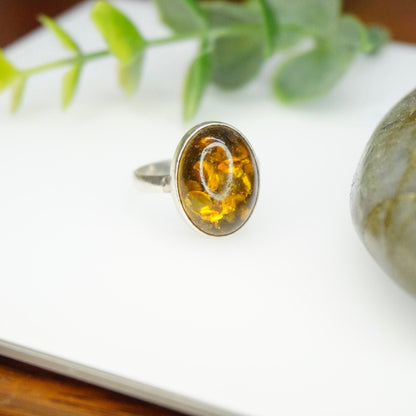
x,y
154,177
213,177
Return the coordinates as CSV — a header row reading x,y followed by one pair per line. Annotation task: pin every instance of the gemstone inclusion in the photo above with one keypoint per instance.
x,y
217,180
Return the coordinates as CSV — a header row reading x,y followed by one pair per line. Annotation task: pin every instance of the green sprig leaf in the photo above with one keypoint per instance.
x,y
237,60
197,81
182,15
69,85
316,72
120,34
235,41
311,74
237,56
377,36
18,88
60,33
352,34
129,74
124,41
71,78
8,73
225,15
315,18
271,27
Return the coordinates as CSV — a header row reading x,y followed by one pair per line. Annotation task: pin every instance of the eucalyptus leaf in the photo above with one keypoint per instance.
x,y
270,26
60,33
315,73
181,15
17,93
122,37
315,17
288,37
240,37
196,81
352,33
237,56
237,60
69,85
377,36
129,74
8,72
222,14
311,74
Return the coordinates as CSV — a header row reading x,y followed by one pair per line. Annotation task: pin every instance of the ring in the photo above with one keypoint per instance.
x,y
213,177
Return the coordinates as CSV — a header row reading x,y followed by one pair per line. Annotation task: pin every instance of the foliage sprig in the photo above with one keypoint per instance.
x,y
235,41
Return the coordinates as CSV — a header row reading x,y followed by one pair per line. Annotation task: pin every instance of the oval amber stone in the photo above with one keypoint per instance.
x,y
217,179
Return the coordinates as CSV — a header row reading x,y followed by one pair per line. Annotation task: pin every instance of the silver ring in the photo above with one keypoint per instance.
x,y
213,177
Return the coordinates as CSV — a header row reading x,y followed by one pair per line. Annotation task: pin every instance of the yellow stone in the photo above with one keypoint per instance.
x,y
217,179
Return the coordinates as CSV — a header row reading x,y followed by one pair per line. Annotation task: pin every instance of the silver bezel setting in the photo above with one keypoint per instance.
x,y
189,135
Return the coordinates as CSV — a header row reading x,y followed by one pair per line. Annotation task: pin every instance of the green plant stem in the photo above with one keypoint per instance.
x,y
62,62
82,58
211,34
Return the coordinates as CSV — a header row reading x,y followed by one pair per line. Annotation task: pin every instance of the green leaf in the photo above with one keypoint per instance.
x,y
8,72
181,15
60,33
316,17
129,74
69,85
377,37
196,81
17,93
237,56
270,26
122,37
222,14
288,37
316,72
353,34
237,60
311,74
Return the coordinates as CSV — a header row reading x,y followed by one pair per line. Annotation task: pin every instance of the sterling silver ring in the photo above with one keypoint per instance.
x,y
213,178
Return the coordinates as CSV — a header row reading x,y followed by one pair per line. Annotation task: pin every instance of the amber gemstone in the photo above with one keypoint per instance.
x,y
217,179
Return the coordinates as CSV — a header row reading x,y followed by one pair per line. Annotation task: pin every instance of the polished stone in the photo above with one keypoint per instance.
x,y
383,199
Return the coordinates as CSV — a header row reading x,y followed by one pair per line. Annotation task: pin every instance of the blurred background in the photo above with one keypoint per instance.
x,y
18,17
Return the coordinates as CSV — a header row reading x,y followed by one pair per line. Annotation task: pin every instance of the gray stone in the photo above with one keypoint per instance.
x,y
383,197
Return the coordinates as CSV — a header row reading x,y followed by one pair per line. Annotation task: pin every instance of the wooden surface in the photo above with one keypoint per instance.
x,y
18,17
29,391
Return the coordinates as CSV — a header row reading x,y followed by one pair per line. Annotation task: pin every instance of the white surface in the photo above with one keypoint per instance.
x,y
288,316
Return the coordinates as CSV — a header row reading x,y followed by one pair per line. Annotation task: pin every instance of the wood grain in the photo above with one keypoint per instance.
x,y
30,391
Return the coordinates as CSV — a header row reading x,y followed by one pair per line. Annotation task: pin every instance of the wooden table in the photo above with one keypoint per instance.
x,y
30,391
